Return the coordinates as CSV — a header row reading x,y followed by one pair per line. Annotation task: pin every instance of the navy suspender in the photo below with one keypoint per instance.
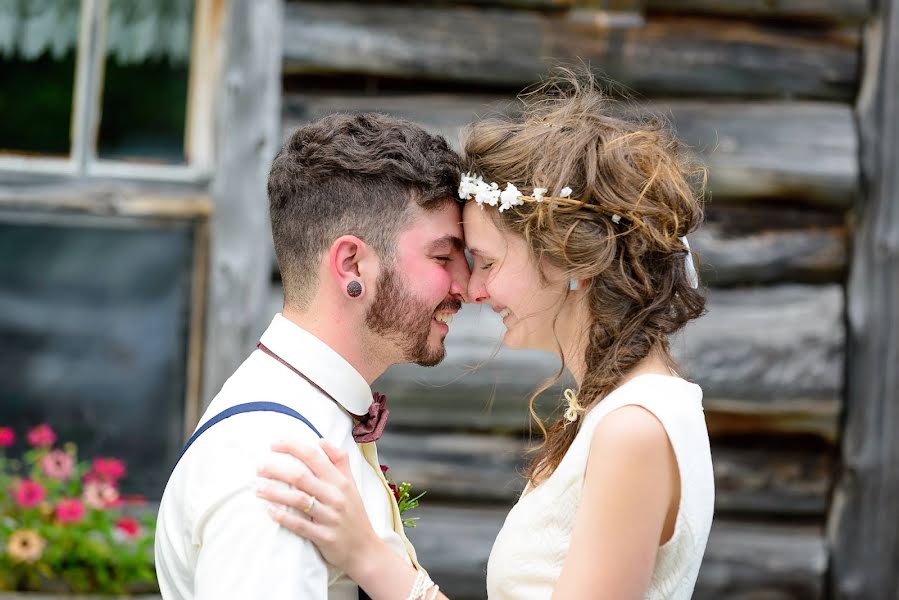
x,y
253,407
245,408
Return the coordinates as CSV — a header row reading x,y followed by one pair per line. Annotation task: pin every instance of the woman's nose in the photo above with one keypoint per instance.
x,y
477,291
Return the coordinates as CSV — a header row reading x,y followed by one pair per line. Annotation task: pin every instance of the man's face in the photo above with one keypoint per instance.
x,y
424,286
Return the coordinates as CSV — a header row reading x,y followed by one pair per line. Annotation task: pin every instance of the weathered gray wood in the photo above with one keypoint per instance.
x,y
763,244
768,359
745,561
774,478
107,198
863,535
815,11
795,151
762,561
247,126
513,48
526,4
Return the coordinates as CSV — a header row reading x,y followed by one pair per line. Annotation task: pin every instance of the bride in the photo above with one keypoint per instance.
x,y
575,215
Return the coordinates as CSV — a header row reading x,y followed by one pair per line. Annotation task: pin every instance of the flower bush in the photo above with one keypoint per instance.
x,y
64,526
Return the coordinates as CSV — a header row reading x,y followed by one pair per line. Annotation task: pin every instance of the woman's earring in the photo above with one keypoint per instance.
x,y
354,289
573,284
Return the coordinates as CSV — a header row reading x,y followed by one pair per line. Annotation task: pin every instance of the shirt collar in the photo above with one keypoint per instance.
x,y
319,362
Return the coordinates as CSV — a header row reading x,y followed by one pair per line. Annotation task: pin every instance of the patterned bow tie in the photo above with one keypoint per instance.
x,y
370,426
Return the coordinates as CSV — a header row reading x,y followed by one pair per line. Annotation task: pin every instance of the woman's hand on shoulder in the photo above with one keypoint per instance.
x,y
631,487
327,507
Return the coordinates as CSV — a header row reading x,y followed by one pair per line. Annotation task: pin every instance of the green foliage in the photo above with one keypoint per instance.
x,y
66,528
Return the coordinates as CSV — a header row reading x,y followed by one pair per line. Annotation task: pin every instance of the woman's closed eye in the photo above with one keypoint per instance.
x,y
443,259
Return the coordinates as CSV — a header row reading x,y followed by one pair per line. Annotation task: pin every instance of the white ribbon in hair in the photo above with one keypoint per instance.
x,y
692,276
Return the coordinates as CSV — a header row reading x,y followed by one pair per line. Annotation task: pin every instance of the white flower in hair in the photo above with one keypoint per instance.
x,y
538,194
566,192
509,197
487,194
468,186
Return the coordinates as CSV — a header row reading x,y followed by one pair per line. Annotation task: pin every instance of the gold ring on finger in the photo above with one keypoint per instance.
x,y
310,506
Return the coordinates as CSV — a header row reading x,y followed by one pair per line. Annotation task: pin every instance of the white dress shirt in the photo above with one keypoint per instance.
x,y
214,538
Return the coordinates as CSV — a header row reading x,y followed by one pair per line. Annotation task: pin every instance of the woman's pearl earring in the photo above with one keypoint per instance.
x,y
573,284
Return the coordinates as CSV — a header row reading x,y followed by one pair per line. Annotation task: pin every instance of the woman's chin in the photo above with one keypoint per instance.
x,y
512,339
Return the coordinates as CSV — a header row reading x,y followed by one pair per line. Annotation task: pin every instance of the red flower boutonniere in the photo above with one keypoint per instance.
x,y
404,499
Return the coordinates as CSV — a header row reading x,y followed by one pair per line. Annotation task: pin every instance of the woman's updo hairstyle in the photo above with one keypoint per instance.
x,y
626,250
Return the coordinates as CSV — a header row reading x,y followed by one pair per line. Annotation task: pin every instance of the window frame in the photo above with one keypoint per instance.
x,y
87,96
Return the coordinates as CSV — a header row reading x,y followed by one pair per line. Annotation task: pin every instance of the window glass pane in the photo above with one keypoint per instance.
x,y
144,104
94,323
38,43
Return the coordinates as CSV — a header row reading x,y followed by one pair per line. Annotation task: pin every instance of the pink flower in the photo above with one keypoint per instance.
x,y
129,526
57,464
384,468
69,510
110,469
7,437
28,494
42,436
100,494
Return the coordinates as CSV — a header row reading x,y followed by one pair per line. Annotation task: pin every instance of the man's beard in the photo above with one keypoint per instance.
x,y
405,320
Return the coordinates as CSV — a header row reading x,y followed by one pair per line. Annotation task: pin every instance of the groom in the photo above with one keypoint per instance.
x,y
369,242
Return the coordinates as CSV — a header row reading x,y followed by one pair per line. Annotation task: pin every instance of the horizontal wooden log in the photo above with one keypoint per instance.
x,y
745,561
523,4
121,199
796,151
751,477
763,244
812,11
802,151
768,359
665,56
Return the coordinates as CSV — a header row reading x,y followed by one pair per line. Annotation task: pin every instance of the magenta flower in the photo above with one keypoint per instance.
x,y
42,436
110,469
28,493
69,510
58,465
7,437
129,526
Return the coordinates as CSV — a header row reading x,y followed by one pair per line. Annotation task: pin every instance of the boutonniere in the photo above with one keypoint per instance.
x,y
404,498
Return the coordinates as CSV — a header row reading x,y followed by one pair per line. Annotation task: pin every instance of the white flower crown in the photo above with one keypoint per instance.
x,y
473,187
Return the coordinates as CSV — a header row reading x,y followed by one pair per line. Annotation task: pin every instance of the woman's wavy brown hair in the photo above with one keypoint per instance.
x,y
638,292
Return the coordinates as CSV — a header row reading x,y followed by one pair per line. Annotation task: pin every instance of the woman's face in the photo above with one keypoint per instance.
x,y
505,276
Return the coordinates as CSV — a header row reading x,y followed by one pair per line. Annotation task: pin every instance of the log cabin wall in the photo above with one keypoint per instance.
x,y
764,92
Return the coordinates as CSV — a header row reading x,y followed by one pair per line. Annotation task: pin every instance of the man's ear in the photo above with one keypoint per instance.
x,y
352,260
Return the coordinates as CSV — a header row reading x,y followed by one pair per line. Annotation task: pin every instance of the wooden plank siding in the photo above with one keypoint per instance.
x,y
666,55
761,93
749,560
752,477
807,11
863,533
247,118
796,152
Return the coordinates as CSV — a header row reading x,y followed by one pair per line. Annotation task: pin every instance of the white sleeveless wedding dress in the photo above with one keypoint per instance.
x,y
530,550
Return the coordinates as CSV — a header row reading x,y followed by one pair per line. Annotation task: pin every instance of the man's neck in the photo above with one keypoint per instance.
x,y
341,336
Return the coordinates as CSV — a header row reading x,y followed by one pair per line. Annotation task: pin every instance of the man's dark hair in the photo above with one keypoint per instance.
x,y
351,175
